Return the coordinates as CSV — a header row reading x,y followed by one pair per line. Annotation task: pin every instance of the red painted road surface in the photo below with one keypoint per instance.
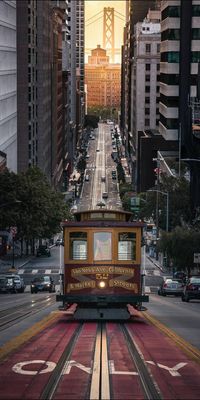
x,y
176,376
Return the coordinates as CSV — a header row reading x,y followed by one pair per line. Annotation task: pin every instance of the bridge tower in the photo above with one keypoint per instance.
x,y
108,31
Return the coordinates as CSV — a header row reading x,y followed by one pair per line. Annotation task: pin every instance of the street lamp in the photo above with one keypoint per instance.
x,y
167,205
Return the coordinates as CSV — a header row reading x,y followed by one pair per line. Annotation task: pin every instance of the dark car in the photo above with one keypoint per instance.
x,y
171,286
43,250
42,284
191,289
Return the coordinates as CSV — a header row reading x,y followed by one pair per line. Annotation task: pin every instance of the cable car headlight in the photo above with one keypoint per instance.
x,y
102,284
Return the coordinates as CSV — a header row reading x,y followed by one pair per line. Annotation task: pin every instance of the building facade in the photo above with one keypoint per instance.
x,y
145,71
180,44
39,86
8,85
102,80
76,11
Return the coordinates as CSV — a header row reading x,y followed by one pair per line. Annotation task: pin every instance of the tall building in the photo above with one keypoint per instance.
x,y
102,80
39,86
34,69
180,44
8,96
76,79
145,70
136,11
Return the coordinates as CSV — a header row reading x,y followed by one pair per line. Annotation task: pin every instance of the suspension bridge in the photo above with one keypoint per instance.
x,y
107,15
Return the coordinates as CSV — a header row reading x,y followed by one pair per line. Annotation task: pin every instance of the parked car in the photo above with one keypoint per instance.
x,y
11,284
171,286
18,282
43,250
191,289
59,242
42,284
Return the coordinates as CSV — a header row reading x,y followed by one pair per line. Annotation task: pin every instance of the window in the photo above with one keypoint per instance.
x,y
148,48
196,10
78,245
147,122
147,89
147,111
158,48
147,100
147,67
126,246
102,246
147,78
170,57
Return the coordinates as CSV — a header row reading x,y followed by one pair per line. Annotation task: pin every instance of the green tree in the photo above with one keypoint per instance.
x,y
180,246
40,209
121,173
179,198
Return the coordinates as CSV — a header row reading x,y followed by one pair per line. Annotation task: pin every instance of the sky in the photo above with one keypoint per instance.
x,y
94,31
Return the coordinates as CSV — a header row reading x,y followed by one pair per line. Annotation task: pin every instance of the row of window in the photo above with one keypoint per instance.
x,y
148,67
148,48
169,101
174,34
175,11
174,57
102,246
169,123
173,79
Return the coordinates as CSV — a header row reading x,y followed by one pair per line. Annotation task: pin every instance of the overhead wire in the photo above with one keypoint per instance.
x,y
92,22
94,16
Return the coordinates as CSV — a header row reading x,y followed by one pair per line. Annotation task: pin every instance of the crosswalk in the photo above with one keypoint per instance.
x,y
38,271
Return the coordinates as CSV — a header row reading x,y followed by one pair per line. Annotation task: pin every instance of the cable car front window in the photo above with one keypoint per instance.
x,y
127,246
78,245
102,246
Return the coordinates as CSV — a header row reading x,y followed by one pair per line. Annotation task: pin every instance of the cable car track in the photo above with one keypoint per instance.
x,y
99,380
11,316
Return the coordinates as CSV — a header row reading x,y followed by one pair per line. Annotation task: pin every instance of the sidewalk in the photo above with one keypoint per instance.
x,y
158,264
6,263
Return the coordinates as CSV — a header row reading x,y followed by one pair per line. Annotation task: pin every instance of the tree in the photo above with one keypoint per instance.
x,y
40,209
121,173
180,245
179,197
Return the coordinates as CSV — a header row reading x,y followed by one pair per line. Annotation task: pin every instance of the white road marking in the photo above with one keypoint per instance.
x,y
47,271
20,271
18,368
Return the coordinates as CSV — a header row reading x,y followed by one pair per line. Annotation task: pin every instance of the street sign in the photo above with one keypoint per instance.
x,y
197,258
